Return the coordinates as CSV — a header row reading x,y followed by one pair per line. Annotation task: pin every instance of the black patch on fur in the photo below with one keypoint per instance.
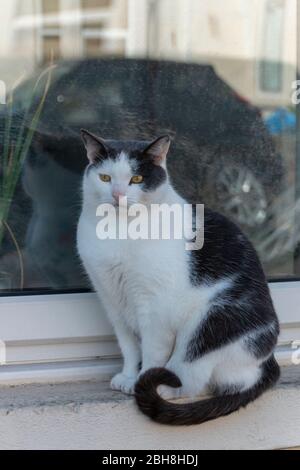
x,y
242,308
226,252
263,342
225,324
164,412
142,164
154,175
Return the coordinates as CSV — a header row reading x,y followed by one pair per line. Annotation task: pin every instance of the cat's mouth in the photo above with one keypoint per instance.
x,y
124,202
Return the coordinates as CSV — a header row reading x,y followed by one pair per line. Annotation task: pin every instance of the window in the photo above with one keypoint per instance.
x,y
50,6
133,68
271,67
104,30
93,47
94,4
51,48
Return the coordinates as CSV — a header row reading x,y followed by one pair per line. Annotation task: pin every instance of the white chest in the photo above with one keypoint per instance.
x,y
143,277
137,273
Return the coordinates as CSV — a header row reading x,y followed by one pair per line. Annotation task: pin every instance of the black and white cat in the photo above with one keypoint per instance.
x,y
188,322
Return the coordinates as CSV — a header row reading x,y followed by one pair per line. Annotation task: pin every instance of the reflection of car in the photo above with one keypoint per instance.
x,y
223,154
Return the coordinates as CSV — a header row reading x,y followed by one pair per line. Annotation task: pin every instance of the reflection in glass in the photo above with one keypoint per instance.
x,y
219,82
50,6
271,66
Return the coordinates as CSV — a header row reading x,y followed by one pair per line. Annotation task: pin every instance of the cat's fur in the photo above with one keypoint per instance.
x,y
198,321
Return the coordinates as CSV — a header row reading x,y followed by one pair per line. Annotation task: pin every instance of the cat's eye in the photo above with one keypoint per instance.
x,y
138,179
105,178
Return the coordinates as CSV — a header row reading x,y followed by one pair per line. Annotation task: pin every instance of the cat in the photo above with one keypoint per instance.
x,y
188,322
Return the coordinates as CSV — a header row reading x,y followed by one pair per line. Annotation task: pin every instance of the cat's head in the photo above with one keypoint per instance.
x,y
135,169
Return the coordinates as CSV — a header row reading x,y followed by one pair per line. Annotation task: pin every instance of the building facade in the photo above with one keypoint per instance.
x,y
252,47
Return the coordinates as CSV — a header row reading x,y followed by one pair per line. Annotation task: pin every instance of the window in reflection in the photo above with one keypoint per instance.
x,y
50,6
271,66
51,48
94,4
93,47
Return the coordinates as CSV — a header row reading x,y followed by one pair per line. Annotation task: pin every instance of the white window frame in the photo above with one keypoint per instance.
x,y
278,54
67,336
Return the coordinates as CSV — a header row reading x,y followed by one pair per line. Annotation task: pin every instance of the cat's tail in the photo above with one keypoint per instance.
x,y
164,412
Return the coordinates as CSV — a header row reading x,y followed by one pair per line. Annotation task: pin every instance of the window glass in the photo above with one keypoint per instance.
x,y
94,4
271,65
51,48
219,81
49,6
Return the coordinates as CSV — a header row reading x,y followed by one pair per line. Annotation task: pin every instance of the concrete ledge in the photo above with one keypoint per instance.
x,y
87,415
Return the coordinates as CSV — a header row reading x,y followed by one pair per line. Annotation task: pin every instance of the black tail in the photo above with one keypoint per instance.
x,y
164,412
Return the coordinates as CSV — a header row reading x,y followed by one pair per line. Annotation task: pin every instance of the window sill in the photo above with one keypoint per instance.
x,y
64,328
59,372
41,417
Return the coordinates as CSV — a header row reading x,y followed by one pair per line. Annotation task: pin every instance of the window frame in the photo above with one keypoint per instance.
x,y
263,64
71,333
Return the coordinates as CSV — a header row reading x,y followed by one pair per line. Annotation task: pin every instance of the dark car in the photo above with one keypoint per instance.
x,y
222,154
221,145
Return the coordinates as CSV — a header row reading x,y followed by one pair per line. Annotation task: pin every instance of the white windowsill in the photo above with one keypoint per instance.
x,y
68,330
42,416
59,372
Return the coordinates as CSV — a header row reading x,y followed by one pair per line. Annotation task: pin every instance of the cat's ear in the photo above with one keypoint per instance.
x,y
158,149
95,146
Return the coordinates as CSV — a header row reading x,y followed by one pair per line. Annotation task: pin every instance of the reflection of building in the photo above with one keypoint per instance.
x,y
72,28
252,44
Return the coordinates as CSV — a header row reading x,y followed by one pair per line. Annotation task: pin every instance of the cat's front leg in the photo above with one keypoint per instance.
x,y
157,346
131,351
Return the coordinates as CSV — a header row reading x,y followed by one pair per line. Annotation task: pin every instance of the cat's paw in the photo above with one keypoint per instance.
x,y
123,383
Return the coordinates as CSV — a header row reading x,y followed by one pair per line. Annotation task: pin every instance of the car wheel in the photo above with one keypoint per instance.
x,y
240,195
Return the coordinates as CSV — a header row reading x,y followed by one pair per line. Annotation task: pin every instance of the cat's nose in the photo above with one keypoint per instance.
x,y
117,194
